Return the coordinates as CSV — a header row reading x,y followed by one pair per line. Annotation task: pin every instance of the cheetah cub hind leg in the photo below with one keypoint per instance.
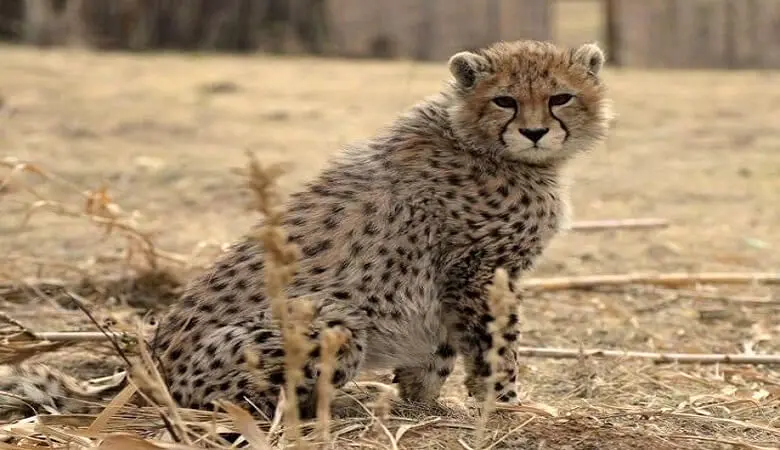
x,y
349,356
208,373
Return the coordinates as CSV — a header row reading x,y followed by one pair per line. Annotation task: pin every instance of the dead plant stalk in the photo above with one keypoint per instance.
x,y
281,257
331,341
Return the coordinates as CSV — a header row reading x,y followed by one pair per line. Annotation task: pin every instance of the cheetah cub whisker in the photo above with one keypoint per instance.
x,y
401,236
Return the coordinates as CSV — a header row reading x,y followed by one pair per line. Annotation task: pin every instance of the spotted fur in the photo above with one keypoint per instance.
x,y
401,235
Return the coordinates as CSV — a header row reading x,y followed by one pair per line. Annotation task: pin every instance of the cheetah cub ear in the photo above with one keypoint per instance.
x,y
591,56
467,67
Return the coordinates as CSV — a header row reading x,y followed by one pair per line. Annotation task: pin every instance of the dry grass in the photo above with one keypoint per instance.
x,y
293,316
695,148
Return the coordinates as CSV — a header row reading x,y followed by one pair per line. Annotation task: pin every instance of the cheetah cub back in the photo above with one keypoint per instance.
x,y
401,236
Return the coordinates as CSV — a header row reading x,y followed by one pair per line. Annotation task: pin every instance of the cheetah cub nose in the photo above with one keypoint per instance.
x,y
534,134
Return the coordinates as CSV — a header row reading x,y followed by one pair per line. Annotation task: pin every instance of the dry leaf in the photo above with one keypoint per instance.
x,y
245,424
125,441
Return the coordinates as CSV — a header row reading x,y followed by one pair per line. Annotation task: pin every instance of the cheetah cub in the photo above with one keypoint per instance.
x,y
401,236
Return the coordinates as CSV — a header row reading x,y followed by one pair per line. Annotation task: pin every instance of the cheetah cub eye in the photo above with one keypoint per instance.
x,y
505,102
560,99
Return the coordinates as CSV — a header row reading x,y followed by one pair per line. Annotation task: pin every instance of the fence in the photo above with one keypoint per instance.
x,y
434,29
220,25
419,29
695,33
639,33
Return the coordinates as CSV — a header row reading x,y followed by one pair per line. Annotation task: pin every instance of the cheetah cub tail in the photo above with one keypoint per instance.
x,y
27,389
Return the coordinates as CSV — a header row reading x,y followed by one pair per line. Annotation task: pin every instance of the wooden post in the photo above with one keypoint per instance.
x,y
612,32
526,19
422,49
11,19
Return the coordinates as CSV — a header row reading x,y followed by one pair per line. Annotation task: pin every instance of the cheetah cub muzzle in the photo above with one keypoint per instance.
x,y
401,236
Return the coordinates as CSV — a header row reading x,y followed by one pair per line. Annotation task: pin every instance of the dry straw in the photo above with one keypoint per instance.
x,y
281,258
636,402
330,342
98,207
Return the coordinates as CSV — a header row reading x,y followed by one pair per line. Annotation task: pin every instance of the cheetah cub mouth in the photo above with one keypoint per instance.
x,y
537,105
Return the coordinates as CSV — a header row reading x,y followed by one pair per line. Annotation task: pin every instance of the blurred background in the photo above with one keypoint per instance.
x,y
657,33
159,99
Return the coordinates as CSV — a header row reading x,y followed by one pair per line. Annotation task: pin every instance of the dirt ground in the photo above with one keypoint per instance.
x,y
699,149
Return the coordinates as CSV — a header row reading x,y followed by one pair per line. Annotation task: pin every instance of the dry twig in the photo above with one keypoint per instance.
x,y
618,224
98,207
81,336
657,279
731,442
683,358
716,296
152,387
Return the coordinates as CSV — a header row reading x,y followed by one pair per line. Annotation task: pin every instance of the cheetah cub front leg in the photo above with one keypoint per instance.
x,y
469,322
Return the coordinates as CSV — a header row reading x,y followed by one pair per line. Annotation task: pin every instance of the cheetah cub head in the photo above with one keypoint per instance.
x,y
529,101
